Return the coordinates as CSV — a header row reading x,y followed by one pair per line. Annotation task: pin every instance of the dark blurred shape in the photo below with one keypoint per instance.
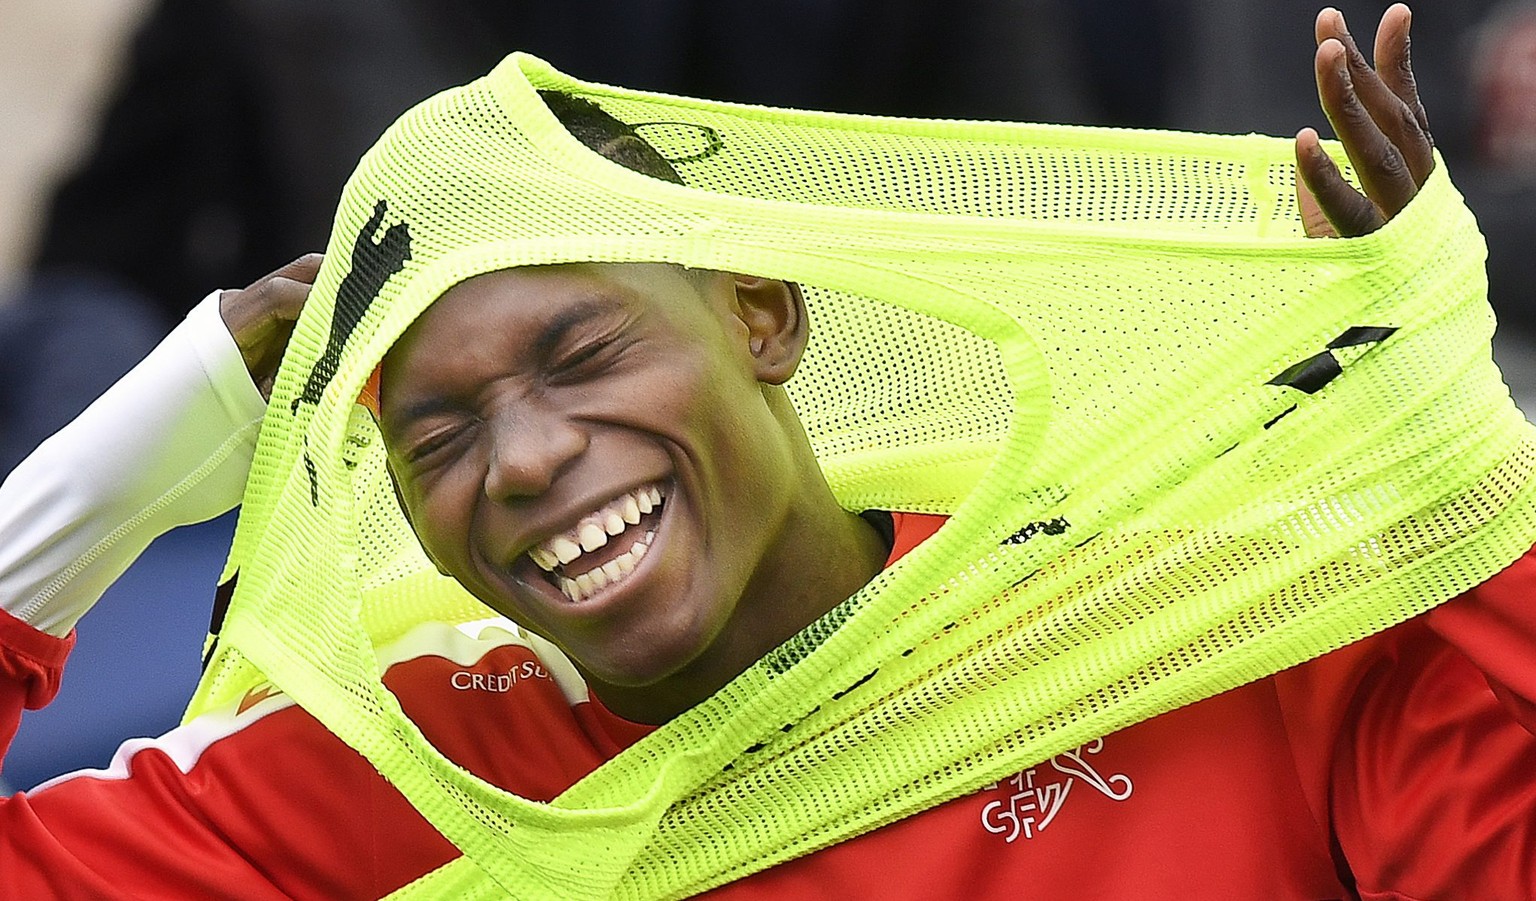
x,y
1128,57
76,334
225,149
1503,75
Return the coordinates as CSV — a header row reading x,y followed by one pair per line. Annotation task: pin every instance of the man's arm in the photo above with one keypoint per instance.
x,y
168,445
1385,131
254,801
1430,792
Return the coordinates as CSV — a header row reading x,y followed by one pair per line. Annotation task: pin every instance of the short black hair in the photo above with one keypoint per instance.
x,y
608,136
616,141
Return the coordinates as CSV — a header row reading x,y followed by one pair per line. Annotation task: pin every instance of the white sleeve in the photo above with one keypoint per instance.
x,y
168,445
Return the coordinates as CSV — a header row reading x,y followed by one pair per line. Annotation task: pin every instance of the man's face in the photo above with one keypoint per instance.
x,y
589,450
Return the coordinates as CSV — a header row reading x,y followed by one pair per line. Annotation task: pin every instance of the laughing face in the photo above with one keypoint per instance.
x,y
602,454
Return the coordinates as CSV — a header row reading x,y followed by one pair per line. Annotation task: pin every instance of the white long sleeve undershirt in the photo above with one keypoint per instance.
x,y
170,444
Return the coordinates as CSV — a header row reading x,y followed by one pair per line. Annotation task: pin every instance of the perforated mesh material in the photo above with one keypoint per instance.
x,y
1106,353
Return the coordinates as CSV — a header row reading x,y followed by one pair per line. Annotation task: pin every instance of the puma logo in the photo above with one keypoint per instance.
x,y
373,263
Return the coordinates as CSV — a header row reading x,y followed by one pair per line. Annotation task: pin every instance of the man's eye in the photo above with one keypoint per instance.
x,y
433,445
583,358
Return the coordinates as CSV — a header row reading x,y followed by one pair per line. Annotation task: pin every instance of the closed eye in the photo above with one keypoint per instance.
x,y
432,448
582,355
585,360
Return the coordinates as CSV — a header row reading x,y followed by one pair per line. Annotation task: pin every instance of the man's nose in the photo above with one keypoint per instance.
x,y
529,450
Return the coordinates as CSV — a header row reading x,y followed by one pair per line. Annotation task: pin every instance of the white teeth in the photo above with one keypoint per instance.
x,y
565,549
610,573
592,536
593,532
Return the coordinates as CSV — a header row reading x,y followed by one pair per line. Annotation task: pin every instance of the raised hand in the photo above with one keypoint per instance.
x,y
1377,116
260,316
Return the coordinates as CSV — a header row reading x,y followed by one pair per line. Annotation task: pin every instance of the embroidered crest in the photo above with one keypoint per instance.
x,y
1034,797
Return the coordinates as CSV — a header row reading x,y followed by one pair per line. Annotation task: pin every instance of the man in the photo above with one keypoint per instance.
x,y
547,424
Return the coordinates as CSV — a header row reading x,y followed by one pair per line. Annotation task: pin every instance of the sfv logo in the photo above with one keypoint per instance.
x,y
1035,797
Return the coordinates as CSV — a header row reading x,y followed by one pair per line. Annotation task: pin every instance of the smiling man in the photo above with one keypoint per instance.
x,y
679,692
615,466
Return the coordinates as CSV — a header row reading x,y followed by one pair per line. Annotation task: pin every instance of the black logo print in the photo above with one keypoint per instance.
x,y
372,265
373,262
1048,527
1311,374
1315,372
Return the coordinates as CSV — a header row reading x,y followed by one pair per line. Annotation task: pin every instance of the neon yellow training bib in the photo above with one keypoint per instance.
x,y
1183,445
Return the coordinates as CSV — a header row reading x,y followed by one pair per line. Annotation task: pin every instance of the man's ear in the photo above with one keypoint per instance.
x,y
773,312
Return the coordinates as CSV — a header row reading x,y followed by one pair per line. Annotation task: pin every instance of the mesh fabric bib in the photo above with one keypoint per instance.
x,y
1183,447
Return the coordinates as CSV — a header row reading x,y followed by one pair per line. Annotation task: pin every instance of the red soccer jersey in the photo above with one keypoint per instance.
x,y
1395,768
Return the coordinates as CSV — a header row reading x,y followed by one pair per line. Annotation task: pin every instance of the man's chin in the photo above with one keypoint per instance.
x,y
649,686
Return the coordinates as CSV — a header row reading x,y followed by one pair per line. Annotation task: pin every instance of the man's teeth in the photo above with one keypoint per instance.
x,y
647,499
593,532
564,551
610,573
592,536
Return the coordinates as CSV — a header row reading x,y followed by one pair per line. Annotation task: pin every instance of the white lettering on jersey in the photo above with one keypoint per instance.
x,y
498,682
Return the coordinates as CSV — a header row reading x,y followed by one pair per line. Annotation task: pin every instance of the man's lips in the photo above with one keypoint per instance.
x,y
604,547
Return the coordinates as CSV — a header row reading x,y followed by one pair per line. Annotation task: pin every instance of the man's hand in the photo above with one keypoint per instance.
x,y
1377,115
260,316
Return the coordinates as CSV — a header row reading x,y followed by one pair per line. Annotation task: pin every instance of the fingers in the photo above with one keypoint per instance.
x,y
1388,110
260,317
1313,220
1394,64
1329,204
1378,162
280,294
1372,90
303,269
282,298
1378,118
